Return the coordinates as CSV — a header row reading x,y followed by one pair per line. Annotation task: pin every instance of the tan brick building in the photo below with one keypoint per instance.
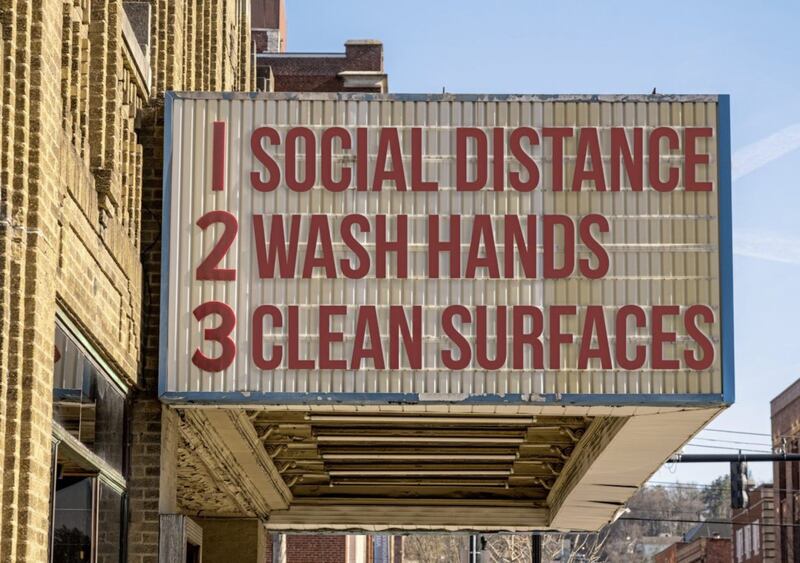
x,y
81,94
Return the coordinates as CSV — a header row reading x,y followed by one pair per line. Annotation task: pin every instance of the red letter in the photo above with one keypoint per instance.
x,y
621,338
660,337
350,271
588,145
465,354
319,230
221,335
594,246
703,341
512,237
463,134
258,337
482,234
294,341
309,159
595,323
532,338
633,161
498,159
367,322
654,166
515,146
209,268
417,160
399,246
327,159
286,256
549,242
389,142
557,338
218,162
273,170
691,159
452,247
482,338
362,158
398,328
327,336
558,134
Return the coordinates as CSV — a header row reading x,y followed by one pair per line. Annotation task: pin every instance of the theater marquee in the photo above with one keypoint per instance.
x,y
496,249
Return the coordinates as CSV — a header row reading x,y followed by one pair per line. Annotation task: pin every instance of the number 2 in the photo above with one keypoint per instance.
x,y
209,268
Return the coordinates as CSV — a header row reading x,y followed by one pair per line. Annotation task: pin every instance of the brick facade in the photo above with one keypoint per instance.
x,y
326,72
301,548
29,208
81,137
785,415
700,550
753,533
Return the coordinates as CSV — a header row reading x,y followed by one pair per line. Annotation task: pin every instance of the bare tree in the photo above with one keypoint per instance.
x,y
575,548
507,548
431,548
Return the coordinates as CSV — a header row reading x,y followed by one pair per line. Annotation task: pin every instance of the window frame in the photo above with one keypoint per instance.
x,y
70,447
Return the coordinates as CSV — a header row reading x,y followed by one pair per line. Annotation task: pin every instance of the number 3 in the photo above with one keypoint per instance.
x,y
221,334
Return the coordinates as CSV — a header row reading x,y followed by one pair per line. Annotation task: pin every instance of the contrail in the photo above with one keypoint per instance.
x,y
758,154
772,247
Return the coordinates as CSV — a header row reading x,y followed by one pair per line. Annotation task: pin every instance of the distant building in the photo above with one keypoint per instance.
x,y
785,415
358,69
704,543
754,529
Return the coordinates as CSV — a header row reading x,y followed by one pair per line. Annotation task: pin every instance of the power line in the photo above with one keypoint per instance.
x,y
736,432
795,436
718,441
729,448
722,522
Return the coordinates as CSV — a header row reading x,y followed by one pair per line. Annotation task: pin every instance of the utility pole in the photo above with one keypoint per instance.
x,y
536,548
474,548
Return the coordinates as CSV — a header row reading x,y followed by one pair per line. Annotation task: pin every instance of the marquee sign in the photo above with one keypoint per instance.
x,y
373,248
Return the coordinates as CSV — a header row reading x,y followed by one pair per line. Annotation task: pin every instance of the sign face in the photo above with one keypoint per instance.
x,y
495,249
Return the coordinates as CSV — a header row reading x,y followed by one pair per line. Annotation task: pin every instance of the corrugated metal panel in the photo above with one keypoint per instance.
x,y
664,247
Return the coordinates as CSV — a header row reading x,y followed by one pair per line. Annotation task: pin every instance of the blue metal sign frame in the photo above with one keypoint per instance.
x,y
725,184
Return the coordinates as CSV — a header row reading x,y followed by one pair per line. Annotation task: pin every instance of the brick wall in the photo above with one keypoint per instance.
x,y
305,548
320,73
668,555
28,241
79,149
785,418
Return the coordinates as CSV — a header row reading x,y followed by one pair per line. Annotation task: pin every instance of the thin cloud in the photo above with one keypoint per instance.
x,y
774,248
758,154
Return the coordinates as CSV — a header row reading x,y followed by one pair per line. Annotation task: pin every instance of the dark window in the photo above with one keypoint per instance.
x,y
72,520
192,553
109,525
87,403
89,522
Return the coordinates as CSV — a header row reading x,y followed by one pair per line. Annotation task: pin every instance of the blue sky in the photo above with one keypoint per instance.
x,y
746,49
